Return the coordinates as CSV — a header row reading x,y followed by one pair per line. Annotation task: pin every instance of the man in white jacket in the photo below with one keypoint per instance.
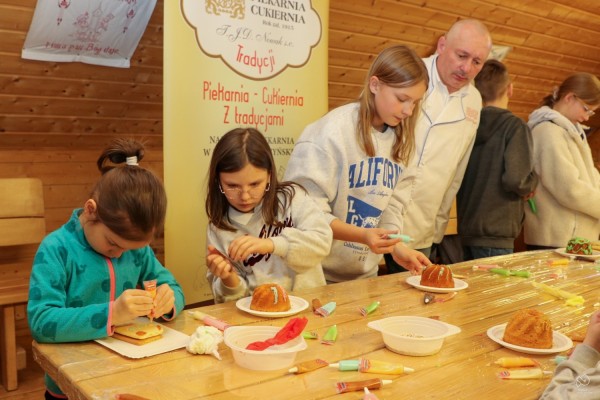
x,y
445,133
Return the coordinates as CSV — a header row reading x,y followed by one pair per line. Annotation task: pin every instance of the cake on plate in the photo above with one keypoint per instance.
x,y
579,245
437,275
270,297
529,328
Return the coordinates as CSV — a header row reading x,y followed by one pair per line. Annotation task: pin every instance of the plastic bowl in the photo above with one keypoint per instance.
x,y
272,358
413,336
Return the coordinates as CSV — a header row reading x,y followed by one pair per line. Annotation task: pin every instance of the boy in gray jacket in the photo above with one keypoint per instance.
x,y
499,176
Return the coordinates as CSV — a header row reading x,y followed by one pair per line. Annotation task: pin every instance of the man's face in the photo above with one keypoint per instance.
x,y
461,57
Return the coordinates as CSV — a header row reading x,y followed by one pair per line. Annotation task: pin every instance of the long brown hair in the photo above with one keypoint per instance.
x,y
582,84
236,149
131,201
399,67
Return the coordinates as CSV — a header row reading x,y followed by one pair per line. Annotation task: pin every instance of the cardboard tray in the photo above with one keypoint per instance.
x,y
170,340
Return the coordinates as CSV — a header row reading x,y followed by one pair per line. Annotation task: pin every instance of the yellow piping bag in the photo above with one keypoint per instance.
x,y
532,373
513,362
571,298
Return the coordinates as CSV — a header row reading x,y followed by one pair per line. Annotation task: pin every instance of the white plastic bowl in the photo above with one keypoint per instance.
x,y
272,358
413,336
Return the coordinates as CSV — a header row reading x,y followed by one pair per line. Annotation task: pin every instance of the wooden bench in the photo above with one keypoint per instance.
x,y
21,223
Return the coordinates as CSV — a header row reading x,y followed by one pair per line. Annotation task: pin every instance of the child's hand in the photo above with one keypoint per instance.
x,y
377,240
529,195
164,301
242,247
131,304
220,267
410,259
592,337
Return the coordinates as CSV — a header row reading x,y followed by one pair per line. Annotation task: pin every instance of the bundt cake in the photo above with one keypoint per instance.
x,y
529,328
437,275
579,245
270,297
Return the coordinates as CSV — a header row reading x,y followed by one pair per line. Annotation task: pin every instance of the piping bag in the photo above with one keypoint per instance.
x,y
373,366
205,340
291,330
308,366
485,267
316,304
128,396
213,250
311,335
364,311
532,205
404,238
532,373
353,386
330,336
150,287
209,320
369,395
571,298
508,272
562,261
326,310
515,362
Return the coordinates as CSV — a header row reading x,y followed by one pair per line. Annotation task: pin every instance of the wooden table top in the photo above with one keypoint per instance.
x,y
463,369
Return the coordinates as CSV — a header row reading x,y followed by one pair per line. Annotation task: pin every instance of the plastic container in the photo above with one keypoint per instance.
x,y
272,358
413,336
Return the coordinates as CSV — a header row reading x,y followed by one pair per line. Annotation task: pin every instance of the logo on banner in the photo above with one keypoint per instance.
x,y
235,8
257,39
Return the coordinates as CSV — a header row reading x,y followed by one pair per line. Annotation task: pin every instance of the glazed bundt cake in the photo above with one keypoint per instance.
x,y
529,328
270,297
437,275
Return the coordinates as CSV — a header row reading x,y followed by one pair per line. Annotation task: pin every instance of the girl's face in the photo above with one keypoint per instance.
x,y
103,240
244,189
392,105
577,110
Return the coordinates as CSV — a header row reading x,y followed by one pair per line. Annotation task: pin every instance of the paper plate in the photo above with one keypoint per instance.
x,y
415,279
560,342
563,252
298,304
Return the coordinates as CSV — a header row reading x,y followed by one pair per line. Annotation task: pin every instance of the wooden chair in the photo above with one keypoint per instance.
x,y
21,223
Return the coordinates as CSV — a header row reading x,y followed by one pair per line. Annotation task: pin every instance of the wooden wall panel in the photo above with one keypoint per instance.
x,y
13,64
78,89
72,107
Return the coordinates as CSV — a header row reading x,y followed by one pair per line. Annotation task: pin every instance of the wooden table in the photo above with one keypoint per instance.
x,y
463,369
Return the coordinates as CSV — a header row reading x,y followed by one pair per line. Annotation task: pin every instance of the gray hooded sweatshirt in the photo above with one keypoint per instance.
x,y
500,172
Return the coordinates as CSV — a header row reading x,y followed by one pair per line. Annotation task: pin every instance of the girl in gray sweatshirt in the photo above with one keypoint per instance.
x,y
260,230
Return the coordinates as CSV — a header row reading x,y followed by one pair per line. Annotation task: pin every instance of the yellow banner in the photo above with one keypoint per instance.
x,y
229,64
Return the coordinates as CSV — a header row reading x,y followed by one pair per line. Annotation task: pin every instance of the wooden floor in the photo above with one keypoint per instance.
x,y
31,379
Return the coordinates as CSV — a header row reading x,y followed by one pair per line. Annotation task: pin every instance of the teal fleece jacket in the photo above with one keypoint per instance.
x,y
72,287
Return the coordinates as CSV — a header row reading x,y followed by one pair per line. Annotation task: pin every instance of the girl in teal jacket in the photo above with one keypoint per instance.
x,y
88,275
